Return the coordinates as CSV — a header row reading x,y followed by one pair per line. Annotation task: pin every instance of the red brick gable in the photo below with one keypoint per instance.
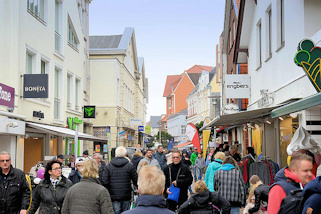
x,y
171,80
199,69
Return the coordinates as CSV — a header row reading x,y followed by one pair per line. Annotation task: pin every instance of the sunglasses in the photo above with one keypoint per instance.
x,y
5,160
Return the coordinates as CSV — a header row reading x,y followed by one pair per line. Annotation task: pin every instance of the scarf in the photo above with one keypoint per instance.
x,y
55,182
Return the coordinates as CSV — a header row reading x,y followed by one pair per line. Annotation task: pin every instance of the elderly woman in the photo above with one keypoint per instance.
x,y
212,168
50,193
204,201
88,196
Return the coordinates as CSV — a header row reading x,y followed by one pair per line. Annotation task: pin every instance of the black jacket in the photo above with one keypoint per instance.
x,y
261,194
15,192
102,172
48,198
204,200
151,204
135,160
74,177
184,180
120,173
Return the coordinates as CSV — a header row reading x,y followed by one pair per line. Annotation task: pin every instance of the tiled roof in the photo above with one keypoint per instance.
x,y
104,42
154,121
194,77
171,80
199,69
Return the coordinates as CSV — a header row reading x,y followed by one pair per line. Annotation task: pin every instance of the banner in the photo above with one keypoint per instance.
x,y
206,138
192,134
170,144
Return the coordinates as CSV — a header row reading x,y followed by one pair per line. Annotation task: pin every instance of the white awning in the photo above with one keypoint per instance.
x,y
64,132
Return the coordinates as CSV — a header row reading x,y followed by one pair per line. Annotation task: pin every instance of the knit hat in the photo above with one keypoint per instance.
x,y
254,179
79,160
85,152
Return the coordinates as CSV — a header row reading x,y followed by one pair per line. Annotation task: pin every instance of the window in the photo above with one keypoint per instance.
x,y
69,87
169,103
57,94
230,39
183,130
37,8
269,33
58,27
30,63
43,67
259,44
77,95
72,37
280,24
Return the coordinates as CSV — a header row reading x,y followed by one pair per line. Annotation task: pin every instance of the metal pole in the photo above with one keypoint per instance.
x,y
160,133
76,142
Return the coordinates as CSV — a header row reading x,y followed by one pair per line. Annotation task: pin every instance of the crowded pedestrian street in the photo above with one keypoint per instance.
x,y
160,107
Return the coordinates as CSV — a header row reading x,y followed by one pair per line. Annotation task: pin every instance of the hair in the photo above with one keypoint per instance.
x,y
200,186
232,148
295,160
159,146
230,160
151,180
90,169
149,150
98,155
49,167
143,163
219,155
137,153
254,179
120,151
253,187
250,150
176,151
5,153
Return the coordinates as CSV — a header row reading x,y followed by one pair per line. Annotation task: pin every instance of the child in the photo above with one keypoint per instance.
x,y
200,165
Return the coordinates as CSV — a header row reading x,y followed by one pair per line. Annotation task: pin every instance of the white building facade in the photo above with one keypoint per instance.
x,y
176,126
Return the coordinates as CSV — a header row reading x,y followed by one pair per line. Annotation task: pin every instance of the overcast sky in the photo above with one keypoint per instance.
x,y
171,35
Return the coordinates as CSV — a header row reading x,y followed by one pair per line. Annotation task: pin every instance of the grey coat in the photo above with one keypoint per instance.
x,y
87,196
151,161
200,163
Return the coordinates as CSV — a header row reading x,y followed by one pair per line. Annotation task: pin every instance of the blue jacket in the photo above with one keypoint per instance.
x,y
286,183
209,175
74,177
151,204
161,158
312,196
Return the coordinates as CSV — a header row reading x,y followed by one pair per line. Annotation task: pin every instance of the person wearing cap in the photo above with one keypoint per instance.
x,y
85,154
76,175
61,159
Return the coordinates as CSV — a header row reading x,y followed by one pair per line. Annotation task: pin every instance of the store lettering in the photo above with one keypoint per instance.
x,y
237,85
36,88
5,95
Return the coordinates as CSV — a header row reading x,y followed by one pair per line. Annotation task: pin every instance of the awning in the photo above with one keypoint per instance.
x,y
299,105
64,132
240,117
183,144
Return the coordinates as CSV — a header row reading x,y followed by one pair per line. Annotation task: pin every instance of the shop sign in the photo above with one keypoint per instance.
x,y
89,111
99,132
12,126
140,128
237,86
97,148
266,98
105,148
207,120
38,114
146,140
309,58
72,122
230,109
6,96
147,129
135,122
35,86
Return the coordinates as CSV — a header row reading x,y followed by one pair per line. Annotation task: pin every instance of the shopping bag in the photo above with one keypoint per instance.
x,y
175,193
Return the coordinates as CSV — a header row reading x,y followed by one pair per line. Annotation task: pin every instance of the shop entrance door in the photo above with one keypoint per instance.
x,y
32,152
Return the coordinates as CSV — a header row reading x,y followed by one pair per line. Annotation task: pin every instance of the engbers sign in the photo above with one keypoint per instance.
x,y
237,86
35,86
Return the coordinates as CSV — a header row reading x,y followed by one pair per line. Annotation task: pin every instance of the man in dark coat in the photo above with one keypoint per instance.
x,y
179,175
14,189
102,171
120,173
312,197
75,175
160,157
151,182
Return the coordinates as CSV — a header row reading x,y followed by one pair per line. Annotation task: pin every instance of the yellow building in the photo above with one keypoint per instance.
x,y
119,88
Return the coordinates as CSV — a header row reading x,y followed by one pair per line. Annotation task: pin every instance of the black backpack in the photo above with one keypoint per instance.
x,y
292,203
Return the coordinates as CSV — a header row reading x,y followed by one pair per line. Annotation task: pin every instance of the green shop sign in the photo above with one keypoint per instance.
x,y
309,58
72,122
89,111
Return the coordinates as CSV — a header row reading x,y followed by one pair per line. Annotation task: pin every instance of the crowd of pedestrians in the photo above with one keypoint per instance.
x,y
96,187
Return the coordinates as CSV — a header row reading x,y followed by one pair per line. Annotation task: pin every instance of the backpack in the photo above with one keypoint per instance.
x,y
292,203
209,209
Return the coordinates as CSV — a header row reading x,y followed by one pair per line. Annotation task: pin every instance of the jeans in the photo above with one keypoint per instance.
x,y
194,172
235,210
200,173
121,206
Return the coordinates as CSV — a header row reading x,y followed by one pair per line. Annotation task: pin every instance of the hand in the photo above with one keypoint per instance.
x,y
174,183
168,192
23,212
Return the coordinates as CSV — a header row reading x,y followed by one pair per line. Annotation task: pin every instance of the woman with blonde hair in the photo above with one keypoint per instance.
x,y
88,196
204,200
212,168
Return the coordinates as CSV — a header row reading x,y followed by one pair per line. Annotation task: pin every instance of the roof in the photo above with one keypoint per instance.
x,y
104,42
154,121
183,112
171,80
199,69
211,75
194,77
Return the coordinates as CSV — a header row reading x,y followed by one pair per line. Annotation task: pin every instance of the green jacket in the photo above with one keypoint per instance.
x,y
193,158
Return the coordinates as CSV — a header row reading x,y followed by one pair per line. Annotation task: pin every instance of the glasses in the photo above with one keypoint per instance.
x,y
175,157
56,168
5,160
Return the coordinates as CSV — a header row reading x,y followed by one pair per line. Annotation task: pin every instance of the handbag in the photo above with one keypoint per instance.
x,y
174,190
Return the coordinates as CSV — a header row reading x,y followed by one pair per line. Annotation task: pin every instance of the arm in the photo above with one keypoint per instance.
x,y
103,177
207,175
133,174
276,196
243,189
222,203
106,205
35,200
65,205
25,193
257,202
